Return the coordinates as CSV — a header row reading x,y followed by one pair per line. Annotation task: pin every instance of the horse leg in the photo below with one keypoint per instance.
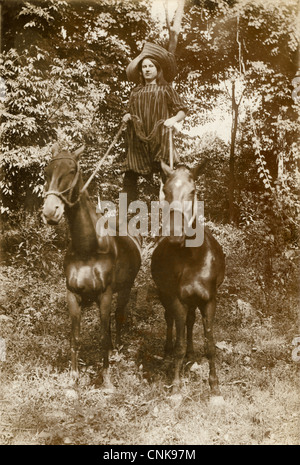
x,y
169,317
190,321
208,313
74,305
122,300
104,301
180,314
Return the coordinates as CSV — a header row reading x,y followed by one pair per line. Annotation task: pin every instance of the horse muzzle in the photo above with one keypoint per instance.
x,y
176,231
177,240
53,210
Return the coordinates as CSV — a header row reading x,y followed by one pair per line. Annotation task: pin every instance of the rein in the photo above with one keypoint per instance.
x,y
98,166
140,134
161,194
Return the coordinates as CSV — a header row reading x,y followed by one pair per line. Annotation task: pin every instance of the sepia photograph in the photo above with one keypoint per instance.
x,y
150,221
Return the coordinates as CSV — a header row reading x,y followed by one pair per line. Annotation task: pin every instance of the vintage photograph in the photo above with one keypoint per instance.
x,y
150,220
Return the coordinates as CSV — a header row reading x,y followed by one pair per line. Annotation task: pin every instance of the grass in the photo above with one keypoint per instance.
x,y
40,405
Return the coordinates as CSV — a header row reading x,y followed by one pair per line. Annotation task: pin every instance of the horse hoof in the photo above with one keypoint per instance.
x,y
74,375
71,394
217,401
176,399
108,388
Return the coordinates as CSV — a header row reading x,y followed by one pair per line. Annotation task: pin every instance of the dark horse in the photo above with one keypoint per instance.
x,y
95,265
187,277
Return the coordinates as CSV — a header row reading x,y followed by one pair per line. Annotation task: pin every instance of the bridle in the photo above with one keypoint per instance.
x,y
60,194
74,182
179,209
194,210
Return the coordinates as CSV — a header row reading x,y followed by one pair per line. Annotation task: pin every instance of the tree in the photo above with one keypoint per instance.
x,y
253,44
65,79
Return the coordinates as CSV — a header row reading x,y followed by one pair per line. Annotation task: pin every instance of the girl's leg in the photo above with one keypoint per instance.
x,y
130,185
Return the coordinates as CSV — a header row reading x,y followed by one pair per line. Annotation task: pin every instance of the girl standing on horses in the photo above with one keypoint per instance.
x,y
154,108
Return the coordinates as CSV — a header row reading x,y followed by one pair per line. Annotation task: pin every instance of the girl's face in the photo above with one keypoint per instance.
x,y
149,71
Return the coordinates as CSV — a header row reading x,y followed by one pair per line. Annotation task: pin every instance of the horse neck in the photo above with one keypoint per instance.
x,y
82,226
82,219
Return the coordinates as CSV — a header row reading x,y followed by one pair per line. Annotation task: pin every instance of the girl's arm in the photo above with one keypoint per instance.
x,y
175,104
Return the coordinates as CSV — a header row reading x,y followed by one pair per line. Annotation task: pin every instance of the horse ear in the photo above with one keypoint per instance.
x,y
161,192
166,169
55,149
79,151
198,169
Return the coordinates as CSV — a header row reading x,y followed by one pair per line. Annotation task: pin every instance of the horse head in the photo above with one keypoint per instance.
x,y
61,183
180,192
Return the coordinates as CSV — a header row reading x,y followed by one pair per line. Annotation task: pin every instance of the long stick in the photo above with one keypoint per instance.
x,y
103,158
171,149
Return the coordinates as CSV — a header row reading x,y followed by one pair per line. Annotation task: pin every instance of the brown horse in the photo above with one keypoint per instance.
x,y
187,277
95,265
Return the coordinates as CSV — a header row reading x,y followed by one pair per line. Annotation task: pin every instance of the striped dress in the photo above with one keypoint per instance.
x,y
147,138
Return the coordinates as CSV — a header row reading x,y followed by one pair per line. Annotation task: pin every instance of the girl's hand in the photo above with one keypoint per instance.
x,y
169,123
126,118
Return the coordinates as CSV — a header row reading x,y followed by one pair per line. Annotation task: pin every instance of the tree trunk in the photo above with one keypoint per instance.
x,y
280,150
1,13
234,126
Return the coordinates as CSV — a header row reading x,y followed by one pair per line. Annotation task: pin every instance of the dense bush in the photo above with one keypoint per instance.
x,y
28,242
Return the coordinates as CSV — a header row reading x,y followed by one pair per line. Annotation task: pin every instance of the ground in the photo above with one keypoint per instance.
x,y
39,403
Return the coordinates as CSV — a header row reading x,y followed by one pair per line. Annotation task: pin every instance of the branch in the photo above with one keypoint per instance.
x,y
226,89
241,61
174,28
241,98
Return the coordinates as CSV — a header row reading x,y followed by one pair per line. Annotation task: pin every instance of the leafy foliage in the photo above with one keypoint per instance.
x,y
68,84
254,45
65,80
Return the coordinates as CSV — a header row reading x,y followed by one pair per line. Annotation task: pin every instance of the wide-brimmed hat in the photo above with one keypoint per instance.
x,y
165,59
